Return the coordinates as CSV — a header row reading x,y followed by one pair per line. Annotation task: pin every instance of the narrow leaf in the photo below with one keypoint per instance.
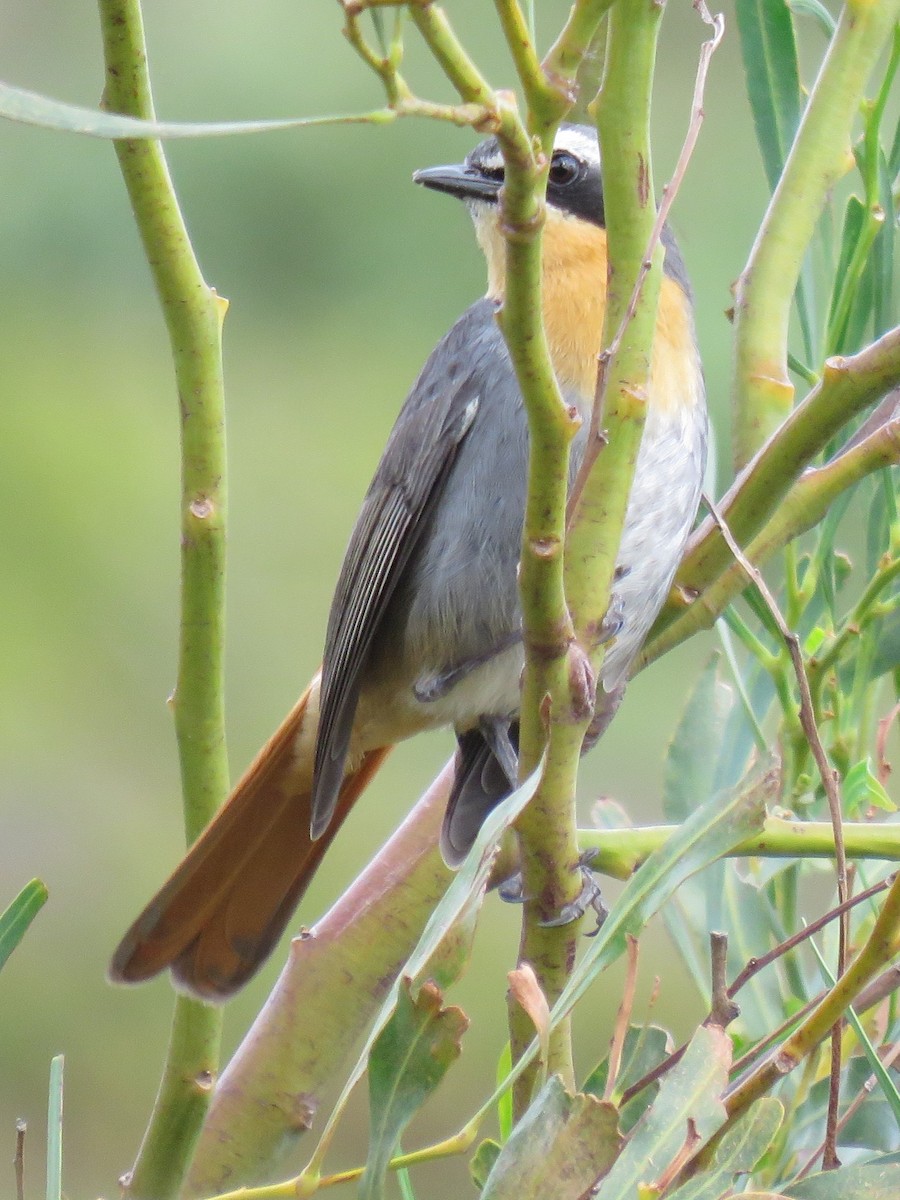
x,y
562,1145
859,1181
16,919
692,755
644,1048
482,1161
462,897
505,1101
688,1098
31,108
711,831
877,1067
887,645
769,51
862,789
410,1057
816,10
739,1151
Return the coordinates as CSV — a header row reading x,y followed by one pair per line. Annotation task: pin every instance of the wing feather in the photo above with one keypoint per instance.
x,y
408,483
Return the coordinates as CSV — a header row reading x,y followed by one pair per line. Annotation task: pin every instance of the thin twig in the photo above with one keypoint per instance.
x,y
596,440
722,1009
829,776
852,1108
831,783
875,992
755,965
19,1160
692,1140
623,1019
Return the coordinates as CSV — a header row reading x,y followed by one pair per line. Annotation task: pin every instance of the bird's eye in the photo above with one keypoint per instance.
x,y
564,168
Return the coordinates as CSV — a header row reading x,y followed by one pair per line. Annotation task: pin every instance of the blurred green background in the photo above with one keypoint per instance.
x,y
341,276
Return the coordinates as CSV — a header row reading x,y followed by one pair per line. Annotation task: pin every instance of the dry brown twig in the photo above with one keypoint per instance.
x,y
623,1019
831,784
19,1160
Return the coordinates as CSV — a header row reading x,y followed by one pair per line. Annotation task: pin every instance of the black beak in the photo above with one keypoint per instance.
x,y
467,183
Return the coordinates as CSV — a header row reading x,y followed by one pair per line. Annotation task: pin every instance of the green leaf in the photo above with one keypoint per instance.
x,y
505,1102
887,645
877,525
404,1182
16,919
54,1129
644,1048
710,832
457,906
482,1161
816,10
851,304
738,1152
877,1067
769,51
873,1126
693,751
717,898
882,263
30,108
859,1181
410,1057
561,1146
862,790
688,1100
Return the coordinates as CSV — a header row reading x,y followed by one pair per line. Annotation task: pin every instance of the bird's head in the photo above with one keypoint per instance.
x,y
575,216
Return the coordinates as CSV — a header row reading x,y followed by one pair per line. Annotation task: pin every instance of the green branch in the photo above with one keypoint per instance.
x,y
775,498
193,317
559,646
821,155
563,60
619,852
804,507
880,947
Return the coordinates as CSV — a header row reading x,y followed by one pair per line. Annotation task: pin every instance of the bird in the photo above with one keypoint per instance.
x,y
424,629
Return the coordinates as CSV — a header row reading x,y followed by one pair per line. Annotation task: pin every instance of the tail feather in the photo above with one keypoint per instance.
x,y
223,909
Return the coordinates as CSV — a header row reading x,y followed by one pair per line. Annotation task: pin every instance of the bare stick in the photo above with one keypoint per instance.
x,y
831,783
623,1019
830,778
852,1108
19,1160
722,1010
755,965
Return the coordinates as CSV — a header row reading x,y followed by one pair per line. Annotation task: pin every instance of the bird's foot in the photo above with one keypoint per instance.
x,y
512,891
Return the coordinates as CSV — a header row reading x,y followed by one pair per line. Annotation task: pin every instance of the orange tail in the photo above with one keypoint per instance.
x,y
218,916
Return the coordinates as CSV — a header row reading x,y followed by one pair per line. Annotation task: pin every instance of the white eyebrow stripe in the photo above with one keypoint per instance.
x,y
579,144
492,162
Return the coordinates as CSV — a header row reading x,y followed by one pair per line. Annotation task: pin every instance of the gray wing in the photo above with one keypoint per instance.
x,y
437,415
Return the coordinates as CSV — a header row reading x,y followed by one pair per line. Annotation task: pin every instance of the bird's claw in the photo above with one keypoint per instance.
x,y
589,897
512,892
